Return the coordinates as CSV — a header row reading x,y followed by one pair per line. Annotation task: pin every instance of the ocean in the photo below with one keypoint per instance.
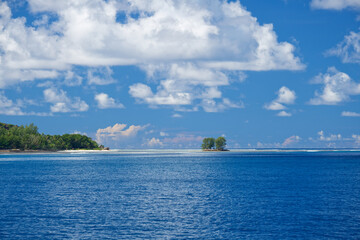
x,y
181,195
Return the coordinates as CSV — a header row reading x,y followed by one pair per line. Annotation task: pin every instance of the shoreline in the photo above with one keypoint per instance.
x,y
153,151
215,150
7,151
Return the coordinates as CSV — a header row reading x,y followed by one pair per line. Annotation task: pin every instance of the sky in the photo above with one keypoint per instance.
x,y
167,73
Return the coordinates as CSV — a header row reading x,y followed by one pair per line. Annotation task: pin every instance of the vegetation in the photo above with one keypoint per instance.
x,y
28,138
210,143
220,143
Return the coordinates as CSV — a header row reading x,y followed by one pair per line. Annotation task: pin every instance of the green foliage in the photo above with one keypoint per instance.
x,y
28,138
220,143
208,143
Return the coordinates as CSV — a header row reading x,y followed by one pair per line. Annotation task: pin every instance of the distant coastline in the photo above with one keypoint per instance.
x,y
215,150
15,139
184,151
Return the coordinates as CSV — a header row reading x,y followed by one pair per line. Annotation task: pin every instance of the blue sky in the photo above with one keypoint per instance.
x,y
165,74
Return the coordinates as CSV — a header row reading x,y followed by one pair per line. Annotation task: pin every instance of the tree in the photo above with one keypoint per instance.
x,y
220,143
208,143
28,138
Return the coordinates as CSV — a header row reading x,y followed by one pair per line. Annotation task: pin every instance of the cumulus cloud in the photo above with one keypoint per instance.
x,y
217,35
285,97
11,108
104,101
154,142
191,46
350,114
284,114
162,97
168,30
62,103
26,53
8,107
349,49
331,140
163,134
185,84
118,132
210,105
337,88
101,76
335,4
331,137
274,106
72,79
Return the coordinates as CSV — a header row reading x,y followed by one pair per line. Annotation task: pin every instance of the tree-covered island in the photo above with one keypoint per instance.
x,y
27,138
210,144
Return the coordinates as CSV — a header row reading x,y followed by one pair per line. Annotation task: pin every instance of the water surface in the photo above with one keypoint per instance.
x,y
180,195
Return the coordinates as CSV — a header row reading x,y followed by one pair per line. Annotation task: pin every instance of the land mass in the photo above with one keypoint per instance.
x,y
15,138
216,150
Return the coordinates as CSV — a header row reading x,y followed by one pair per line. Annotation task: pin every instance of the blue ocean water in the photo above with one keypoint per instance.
x,y
180,195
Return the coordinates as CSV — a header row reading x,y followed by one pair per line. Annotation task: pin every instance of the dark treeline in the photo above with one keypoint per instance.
x,y
28,138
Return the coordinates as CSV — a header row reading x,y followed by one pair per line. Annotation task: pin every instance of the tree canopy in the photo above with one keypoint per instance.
x,y
28,138
210,143
220,143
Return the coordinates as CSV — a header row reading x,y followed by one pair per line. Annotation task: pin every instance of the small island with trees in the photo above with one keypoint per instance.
x,y
27,138
210,144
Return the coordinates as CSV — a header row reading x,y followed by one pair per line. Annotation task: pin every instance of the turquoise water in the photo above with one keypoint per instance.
x,y
181,195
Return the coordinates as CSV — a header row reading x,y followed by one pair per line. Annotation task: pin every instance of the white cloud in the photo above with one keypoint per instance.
x,y
285,97
118,133
26,53
8,107
101,76
337,88
210,105
72,79
11,108
164,134
274,106
349,49
350,114
185,84
284,114
62,103
331,137
176,115
78,132
291,140
356,139
141,91
154,142
189,73
162,97
218,35
335,4
334,140
104,101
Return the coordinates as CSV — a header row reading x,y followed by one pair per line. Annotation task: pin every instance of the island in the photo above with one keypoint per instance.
x,y
210,144
15,138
